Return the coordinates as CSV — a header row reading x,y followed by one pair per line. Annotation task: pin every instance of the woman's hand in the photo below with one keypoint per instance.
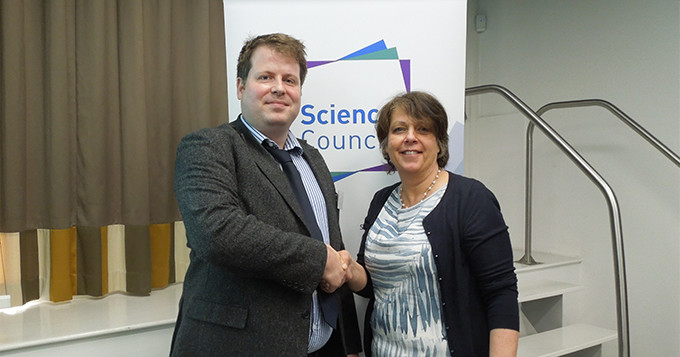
x,y
355,276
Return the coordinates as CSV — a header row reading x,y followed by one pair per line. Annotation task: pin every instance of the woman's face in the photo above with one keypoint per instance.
x,y
411,144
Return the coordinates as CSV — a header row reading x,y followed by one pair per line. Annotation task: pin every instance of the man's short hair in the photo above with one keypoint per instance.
x,y
279,42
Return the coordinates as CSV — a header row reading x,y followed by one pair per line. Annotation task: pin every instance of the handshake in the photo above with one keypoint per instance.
x,y
341,269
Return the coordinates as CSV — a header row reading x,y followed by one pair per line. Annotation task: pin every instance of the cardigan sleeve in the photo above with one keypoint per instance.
x,y
486,241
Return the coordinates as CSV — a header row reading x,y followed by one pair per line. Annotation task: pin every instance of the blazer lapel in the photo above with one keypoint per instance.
x,y
269,167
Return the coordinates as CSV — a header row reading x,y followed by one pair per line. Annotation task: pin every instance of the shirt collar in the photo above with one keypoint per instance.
x,y
292,144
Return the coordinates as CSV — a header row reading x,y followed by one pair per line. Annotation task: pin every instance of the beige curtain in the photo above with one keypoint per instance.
x,y
94,97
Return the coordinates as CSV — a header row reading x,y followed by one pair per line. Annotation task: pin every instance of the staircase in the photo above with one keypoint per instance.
x,y
542,291
541,297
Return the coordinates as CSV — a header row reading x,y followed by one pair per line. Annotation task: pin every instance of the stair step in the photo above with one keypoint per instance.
x,y
530,290
547,261
563,340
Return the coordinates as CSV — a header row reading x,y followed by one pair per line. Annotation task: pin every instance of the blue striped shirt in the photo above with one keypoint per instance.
x,y
319,330
407,314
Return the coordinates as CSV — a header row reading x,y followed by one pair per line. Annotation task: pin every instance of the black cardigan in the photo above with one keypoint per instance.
x,y
473,257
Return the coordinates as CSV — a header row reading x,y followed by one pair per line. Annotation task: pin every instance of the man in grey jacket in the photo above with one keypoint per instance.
x,y
252,287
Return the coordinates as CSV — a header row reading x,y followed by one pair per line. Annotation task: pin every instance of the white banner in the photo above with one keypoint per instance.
x,y
360,54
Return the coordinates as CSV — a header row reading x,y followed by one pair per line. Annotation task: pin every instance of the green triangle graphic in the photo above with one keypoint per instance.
x,y
390,53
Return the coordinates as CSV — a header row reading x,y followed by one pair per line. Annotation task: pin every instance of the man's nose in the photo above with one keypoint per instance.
x,y
278,88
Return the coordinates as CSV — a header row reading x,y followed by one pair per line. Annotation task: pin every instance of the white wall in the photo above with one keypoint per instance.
x,y
626,52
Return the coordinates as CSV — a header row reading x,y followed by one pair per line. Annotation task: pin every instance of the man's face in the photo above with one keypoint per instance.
x,y
270,96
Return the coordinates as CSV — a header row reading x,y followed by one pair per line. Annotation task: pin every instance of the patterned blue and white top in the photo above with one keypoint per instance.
x,y
407,319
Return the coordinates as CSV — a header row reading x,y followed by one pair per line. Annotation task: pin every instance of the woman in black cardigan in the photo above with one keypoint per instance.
x,y
435,258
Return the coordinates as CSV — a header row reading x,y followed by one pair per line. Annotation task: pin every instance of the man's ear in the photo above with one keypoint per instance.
x,y
240,87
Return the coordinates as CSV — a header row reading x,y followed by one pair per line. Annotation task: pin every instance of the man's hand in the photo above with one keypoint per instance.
x,y
334,274
347,260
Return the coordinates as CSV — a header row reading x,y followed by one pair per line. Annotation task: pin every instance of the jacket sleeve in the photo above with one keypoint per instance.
x,y
487,244
219,228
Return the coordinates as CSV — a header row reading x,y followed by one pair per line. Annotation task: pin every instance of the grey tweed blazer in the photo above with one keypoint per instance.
x,y
247,291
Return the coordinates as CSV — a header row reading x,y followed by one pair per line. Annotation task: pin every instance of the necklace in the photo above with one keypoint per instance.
x,y
403,205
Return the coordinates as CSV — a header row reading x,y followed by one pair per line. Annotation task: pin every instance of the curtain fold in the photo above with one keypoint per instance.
x,y
10,253
89,258
29,265
63,264
161,265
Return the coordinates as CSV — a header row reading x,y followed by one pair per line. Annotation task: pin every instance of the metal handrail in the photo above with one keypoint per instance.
x,y
527,258
618,113
614,212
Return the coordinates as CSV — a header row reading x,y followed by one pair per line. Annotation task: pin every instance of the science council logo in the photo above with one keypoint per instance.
x,y
343,117
349,129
